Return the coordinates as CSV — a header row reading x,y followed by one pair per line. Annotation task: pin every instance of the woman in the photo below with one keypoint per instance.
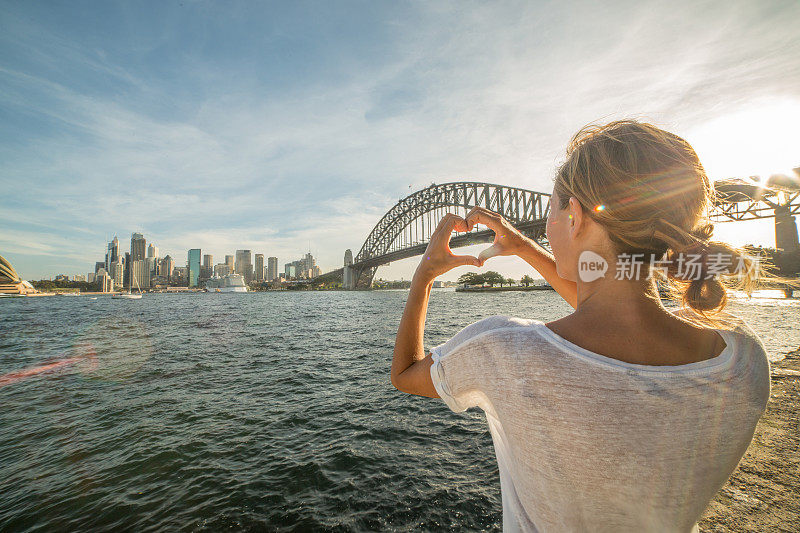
x,y
622,415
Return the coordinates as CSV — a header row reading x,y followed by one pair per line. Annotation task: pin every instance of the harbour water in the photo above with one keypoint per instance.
x,y
258,411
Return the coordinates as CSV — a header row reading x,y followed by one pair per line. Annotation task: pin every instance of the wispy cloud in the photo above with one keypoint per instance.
x,y
270,128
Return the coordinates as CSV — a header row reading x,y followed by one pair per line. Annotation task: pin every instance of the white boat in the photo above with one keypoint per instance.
x,y
129,295
229,283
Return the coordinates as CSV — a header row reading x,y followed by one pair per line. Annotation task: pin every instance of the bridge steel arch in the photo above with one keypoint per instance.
x,y
404,231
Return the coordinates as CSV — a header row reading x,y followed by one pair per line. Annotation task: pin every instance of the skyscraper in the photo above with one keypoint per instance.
x,y
208,267
103,281
151,264
152,259
138,245
259,273
221,270
272,268
244,264
229,262
193,265
112,255
126,265
140,271
117,273
303,268
167,266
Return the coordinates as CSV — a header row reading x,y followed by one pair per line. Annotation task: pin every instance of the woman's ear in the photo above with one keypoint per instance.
x,y
575,216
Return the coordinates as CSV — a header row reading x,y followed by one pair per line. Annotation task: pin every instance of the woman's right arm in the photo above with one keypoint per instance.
x,y
509,241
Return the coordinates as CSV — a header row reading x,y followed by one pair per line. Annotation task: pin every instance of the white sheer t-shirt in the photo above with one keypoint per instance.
x,y
587,442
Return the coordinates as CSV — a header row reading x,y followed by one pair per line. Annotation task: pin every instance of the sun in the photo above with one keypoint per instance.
x,y
759,139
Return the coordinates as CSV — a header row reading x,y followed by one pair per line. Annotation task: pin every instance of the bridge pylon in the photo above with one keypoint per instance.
x,y
347,272
785,230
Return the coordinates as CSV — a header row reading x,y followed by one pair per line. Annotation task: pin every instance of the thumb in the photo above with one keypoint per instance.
x,y
491,251
468,260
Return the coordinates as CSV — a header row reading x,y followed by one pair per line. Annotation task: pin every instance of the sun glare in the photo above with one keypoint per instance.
x,y
757,140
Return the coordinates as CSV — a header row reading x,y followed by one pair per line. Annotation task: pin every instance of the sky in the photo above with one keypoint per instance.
x,y
294,126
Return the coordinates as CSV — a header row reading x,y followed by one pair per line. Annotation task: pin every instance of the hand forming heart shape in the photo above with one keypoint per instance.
x,y
507,238
439,258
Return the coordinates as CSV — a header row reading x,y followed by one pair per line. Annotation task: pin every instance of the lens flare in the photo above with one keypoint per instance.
x,y
53,366
112,349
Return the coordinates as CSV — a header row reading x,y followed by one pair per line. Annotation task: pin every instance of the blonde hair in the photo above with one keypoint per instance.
x,y
647,188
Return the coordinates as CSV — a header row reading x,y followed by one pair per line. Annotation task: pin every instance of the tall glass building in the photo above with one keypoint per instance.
x,y
194,266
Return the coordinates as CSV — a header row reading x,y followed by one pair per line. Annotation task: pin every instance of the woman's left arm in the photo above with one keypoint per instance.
x,y
410,366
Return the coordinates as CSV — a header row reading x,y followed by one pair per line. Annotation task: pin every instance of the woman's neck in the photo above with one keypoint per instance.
x,y
624,301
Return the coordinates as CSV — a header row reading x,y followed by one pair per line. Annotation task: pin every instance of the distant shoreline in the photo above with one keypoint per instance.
x,y
505,289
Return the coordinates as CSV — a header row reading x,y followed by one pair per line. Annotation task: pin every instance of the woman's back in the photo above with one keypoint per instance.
x,y
584,441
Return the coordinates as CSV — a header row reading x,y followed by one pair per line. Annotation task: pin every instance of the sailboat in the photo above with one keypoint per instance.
x,y
129,295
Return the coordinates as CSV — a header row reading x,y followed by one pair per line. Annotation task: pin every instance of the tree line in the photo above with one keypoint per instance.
x,y
492,278
46,285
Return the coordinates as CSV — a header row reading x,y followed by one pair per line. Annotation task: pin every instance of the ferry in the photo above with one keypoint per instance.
x,y
229,283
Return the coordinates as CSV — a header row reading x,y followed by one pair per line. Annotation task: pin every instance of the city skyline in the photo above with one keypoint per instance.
x,y
310,122
199,266
161,253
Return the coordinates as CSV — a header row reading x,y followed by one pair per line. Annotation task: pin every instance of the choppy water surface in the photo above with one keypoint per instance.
x,y
249,411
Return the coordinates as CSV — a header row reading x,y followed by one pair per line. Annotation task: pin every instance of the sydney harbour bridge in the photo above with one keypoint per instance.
x,y
404,231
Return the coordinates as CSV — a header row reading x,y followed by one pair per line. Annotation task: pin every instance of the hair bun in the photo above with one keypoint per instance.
x,y
698,248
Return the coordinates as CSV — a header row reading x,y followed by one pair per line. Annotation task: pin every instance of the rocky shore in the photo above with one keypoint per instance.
x,y
763,494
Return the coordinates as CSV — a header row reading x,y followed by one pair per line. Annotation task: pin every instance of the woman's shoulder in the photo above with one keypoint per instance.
x,y
498,322
489,329
723,321
508,321
747,348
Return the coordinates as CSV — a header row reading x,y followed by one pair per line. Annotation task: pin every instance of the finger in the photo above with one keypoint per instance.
x,y
469,218
479,215
479,212
481,209
467,260
492,251
444,225
473,213
448,223
460,224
